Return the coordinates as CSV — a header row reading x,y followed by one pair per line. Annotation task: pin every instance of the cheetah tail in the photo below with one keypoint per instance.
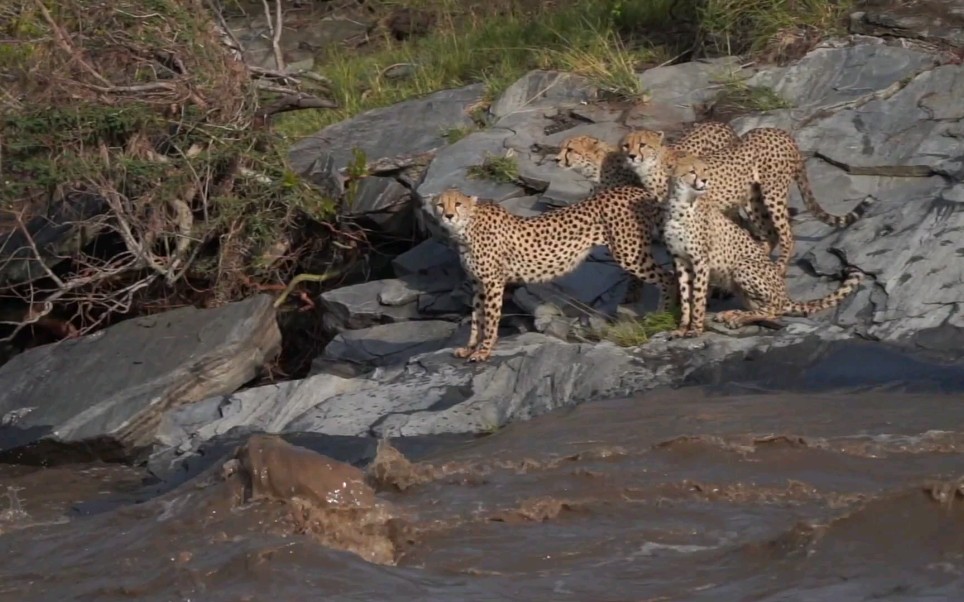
x,y
837,221
851,279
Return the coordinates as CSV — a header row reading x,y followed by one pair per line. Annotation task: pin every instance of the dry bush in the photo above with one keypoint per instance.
x,y
136,170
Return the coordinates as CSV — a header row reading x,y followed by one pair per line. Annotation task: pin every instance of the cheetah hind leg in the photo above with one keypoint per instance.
x,y
763,291
736,318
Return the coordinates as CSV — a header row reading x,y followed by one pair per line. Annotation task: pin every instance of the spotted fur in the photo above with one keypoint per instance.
x,y
606,166
702,139
597,161
498,248
768,157
708,247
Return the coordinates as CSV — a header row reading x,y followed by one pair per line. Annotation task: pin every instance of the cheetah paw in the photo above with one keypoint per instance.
x,y
679,333
728,319
480,356
462,352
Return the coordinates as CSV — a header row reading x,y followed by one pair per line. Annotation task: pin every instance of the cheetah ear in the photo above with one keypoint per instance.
x,y
660,134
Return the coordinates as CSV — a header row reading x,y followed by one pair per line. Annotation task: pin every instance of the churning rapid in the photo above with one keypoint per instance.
x,y
793,497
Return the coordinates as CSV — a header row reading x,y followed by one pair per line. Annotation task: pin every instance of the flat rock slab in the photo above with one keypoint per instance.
x,y
833,77
936,21
102,396
434,393
407,128
356,351
385,301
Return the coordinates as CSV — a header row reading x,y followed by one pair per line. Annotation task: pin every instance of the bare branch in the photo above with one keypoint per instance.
x,y
276,29
296,102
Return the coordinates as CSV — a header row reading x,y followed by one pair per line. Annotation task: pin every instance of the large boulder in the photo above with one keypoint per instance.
x,y
401,138
102,396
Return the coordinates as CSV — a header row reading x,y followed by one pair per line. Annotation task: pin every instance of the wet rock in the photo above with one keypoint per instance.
x,y
936,21
434,393
102,396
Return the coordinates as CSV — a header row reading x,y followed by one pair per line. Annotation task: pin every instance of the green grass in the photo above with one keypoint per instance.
x,y
738,26
627,332
455,134
608,41
738,95
496,168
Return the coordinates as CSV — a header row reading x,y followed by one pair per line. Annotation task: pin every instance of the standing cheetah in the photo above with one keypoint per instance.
x,y
707,246
606,166
767,156
498,248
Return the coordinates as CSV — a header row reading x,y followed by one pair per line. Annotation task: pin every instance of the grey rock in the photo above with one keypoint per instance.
x,y
56,232
937,21
384,345
537,90
831,78
102,396
406,129
450,167
678,91
383,201
381,301
430,257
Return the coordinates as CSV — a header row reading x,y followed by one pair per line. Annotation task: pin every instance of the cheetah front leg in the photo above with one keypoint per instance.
x,y
684,277
463,352
491,314
701,289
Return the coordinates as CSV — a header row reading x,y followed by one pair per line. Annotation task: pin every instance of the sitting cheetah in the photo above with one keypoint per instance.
x,y
497,248
604,165
707,246
767,156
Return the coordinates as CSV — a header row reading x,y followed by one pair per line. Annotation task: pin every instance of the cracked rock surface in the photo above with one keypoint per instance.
x,y
876,118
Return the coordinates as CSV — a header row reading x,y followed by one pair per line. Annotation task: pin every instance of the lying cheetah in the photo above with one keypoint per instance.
x,y
767,156
604,165
498,248
707,246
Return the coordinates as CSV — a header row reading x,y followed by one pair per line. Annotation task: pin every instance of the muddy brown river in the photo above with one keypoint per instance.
x,y
676,495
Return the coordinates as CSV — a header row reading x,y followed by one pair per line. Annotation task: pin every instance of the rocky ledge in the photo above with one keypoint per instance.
x,y
876,118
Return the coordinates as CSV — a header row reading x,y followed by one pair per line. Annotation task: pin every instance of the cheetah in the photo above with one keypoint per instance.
x,y
707,246
498,248
597,161
605,166
768,157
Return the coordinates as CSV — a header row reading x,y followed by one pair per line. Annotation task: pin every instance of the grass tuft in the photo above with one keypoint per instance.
x,y
628,332
497,168
739,96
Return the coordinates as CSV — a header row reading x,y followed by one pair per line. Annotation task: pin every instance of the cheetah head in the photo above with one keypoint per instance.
x,y
689,176
584,155
455,209
642,149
